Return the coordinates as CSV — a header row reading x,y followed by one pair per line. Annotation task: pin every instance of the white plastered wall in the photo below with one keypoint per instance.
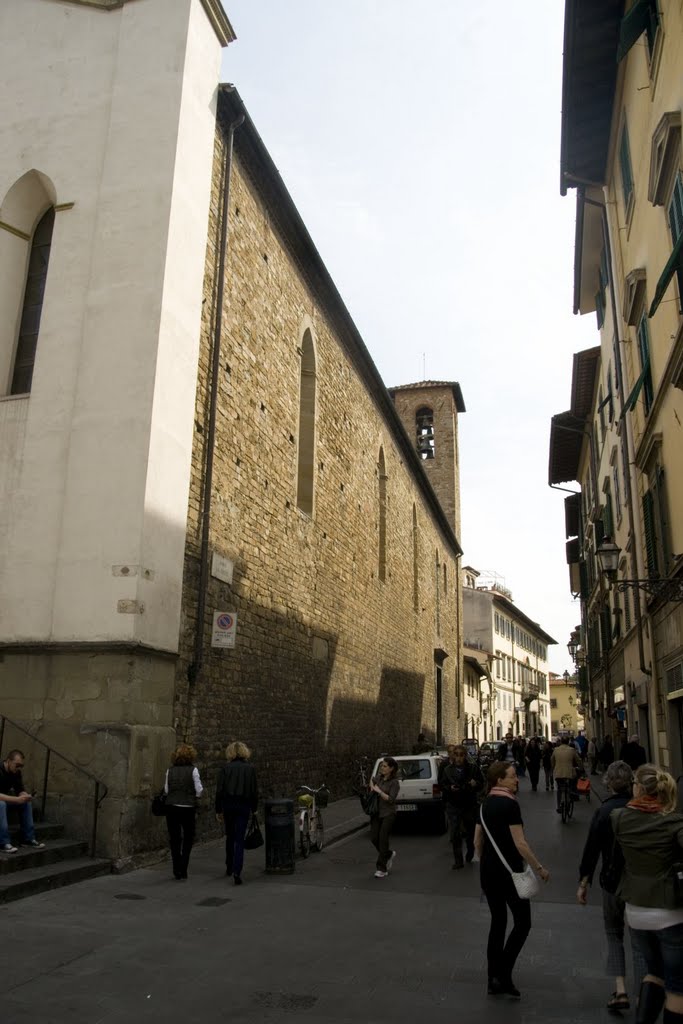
x,y
117,110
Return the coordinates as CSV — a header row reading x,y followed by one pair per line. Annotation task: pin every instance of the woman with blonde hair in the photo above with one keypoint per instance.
x,y
650,834
182,787
236,801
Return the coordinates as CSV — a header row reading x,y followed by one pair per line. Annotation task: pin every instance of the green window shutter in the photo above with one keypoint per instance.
x,y
676,209
625,166
642,17
662,519
674,265
605,629
650,535
583,578
607,516
627,611
644,351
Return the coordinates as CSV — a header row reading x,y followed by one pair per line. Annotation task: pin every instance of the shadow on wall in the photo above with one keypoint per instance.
x,y
271,691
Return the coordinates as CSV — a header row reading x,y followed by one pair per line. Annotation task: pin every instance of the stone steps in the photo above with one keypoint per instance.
x,y
61,862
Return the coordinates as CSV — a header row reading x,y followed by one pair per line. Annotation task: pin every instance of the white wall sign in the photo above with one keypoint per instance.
x,y
221,568
224,629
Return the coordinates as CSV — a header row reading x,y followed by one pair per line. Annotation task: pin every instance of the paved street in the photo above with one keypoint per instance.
x,y
329,943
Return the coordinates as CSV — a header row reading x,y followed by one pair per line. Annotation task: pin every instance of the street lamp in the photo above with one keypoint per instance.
x,y
573,647
566,677
607,554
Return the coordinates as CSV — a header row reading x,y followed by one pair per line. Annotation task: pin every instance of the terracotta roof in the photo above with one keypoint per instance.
x,y
586,365
455,387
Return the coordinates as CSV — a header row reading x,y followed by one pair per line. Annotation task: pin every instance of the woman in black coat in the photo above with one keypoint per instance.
x,y
236,801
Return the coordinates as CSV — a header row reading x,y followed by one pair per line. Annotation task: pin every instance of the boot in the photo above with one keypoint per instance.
x,y
650,1003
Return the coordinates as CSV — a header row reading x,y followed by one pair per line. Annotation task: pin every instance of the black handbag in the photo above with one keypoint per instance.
x,y
369,802
253,838
159,805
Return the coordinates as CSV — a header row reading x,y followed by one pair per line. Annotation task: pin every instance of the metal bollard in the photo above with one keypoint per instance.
x,y
279,823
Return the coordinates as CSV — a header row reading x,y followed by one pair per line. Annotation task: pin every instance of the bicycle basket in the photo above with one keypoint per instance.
x,y
322,797
305,799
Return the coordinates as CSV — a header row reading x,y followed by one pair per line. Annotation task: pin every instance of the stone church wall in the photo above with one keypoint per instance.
x,y
330,662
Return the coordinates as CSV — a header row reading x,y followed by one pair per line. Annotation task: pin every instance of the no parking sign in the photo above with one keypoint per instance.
x,y
224,629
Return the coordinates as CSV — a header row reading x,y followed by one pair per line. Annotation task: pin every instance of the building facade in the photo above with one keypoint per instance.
x,y
519,673
215,522
621,151
566,709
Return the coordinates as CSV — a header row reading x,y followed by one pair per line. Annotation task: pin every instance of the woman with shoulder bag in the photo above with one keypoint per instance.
x,y
650,834
236,801
600,843
182,787
502,849
385,786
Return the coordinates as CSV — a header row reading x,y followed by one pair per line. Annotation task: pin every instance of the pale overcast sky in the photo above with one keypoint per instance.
x,y
421,144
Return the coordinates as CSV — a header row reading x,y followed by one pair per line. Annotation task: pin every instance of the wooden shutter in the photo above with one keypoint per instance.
x,y
650,535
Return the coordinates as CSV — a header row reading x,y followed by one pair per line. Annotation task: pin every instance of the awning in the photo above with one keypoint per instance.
x,y
674,264
633,397
572,515
643,15
573,553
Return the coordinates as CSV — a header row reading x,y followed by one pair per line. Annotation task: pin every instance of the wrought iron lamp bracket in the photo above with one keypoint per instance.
x,y
668,590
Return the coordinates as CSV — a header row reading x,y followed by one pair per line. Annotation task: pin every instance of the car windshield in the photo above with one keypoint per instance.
x,y
419,768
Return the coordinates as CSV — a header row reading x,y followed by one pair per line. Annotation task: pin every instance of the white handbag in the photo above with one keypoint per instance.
x,y
525,882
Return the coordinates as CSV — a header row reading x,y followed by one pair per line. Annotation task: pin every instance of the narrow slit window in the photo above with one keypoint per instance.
x,y
382,516
306,447
34,293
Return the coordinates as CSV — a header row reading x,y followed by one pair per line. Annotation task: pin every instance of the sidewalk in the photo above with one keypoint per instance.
x,y
342,818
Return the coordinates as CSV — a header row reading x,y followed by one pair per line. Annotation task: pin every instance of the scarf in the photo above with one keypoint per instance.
x,y
648,804
501,791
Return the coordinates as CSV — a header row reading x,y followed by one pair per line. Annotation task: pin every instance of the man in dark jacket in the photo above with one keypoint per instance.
x,y
13,794
461,782
633,753
509,750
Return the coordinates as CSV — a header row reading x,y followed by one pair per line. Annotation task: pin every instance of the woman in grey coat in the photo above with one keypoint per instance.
x,y
385,785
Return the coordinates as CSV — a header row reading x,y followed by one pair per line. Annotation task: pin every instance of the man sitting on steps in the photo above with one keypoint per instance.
x,y
13,794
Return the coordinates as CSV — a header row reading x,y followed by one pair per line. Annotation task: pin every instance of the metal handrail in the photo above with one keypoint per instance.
x,y
99,785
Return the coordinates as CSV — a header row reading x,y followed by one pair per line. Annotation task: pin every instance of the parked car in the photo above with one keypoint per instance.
x,y
419,792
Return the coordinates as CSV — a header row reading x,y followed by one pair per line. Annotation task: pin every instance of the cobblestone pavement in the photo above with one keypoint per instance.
x,y
328,943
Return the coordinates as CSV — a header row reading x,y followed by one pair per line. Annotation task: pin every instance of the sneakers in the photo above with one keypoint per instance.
x,y
381,874
390,862
8,848
34,844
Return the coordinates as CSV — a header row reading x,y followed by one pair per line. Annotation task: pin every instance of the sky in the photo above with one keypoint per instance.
x,y
421,145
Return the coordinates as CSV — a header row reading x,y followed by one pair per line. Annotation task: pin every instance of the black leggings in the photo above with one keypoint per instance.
x,y
501,894
180,822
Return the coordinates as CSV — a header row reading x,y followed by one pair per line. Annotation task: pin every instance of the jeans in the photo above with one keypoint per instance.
x,y
25,812
236,814
613,918
461,824
549,778
180,822
501,955
663,954
380,829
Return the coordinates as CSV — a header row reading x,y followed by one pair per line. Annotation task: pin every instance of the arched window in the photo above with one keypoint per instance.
x,y
26,222
416,553
424,429
382,516
306,448
29,326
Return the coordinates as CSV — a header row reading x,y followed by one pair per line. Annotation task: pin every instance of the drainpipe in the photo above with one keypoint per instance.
x,y
624,434
195,668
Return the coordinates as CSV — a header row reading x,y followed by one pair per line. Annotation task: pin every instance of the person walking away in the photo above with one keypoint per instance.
x,y
633,753
592,754
501,815
650,833
386,786
607,752
565,763
533,760
546,758
581,744
600,843
236,801
182,787
461,782
13,793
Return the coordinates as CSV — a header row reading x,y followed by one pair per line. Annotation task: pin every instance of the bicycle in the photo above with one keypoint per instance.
x,y
361,778
566,800
311,826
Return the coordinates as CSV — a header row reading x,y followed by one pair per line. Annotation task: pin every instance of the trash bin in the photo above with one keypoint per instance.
x,y
279,817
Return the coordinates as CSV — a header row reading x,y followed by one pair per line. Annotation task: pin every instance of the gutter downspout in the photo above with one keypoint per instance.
x,y
195,668
624,433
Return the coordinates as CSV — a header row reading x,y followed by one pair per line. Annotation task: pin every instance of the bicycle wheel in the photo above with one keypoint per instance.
x,y
588,796
318,834
570,805
304,835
